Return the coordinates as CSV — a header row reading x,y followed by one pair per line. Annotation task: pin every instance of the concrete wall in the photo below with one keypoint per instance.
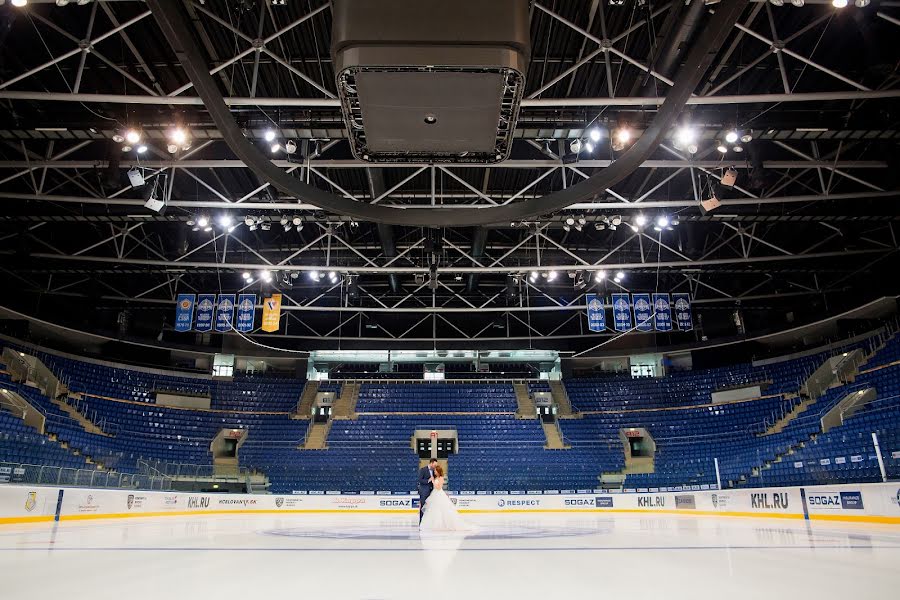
x,y
877,503
737,394
164,399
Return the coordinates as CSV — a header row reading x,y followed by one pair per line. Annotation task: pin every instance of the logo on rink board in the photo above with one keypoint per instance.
x,y
685,501
651,501
198,502
778,500
517,502
837,500
30,501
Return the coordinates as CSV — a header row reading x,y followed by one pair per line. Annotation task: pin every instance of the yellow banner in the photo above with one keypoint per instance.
x,y
271,319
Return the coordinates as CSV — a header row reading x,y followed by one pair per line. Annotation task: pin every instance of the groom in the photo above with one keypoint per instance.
x,y
426,485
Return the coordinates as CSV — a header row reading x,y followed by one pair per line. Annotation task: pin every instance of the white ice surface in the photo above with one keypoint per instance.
x,y
364,556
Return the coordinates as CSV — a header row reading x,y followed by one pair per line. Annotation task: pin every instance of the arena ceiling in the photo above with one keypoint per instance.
x,y
809,228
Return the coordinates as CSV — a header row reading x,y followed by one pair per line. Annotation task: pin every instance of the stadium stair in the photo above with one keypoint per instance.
x,y
526,408
317,437
798,410
561,400
345,405
554,437
307,398
86,424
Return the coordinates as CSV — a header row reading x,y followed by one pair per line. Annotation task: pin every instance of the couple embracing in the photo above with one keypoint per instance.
x,y
436,510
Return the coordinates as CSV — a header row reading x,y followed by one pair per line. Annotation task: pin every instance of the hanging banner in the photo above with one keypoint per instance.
x,y
246,312
596,313
621,312
184,312
643,312
683,316
225,313
206,303
271,319
662,312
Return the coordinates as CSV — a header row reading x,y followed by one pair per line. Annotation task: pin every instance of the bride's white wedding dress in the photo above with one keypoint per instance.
x,y
440,513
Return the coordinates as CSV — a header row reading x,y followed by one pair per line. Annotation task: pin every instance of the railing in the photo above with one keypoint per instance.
x,y
48,475
186,470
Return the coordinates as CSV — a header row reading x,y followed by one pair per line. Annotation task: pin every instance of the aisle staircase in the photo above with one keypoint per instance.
x,y
526,409
554,437
561,400
307,398
316,437
86,424
345,406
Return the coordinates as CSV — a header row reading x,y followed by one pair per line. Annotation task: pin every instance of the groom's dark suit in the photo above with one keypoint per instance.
x,y
425,488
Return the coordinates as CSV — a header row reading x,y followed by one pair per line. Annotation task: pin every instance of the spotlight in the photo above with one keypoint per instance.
x,y
599,226
616,220
126,148
662,222
685,136
19,3
314,275
207,229
595,134
620,276
589,147
738,148
839,3
288,227
861,3
599,276
132,136
172,148
777,2
62,2
552,275
567,227
290,146
269,135
226,221
332,276
747,138
118,138
533,276
575,146
284,220
247,275
731,137
297,221
141,149
265,226
721,147
178,136
570,221
203,221
276,147
265,276
248,221
623,135
294,274
798,3
582,221
640,220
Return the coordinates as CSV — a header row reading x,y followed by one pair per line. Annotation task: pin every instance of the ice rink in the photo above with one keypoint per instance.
x,y
365,556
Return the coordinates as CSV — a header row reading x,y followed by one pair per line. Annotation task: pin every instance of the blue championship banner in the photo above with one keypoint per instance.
x,y
184,312
596,313
246,312
662,312
621,312
225,313
643,312
206,304
683,316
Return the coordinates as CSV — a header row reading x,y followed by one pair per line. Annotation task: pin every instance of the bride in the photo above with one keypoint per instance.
x,y
440,514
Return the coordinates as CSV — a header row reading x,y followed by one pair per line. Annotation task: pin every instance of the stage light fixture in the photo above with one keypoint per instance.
x,y
588,147
132,136
839,3
640,220
595,134
269,135
575,146
662,221
276,147
290,146
599,276
203,221
747,138
247,275
685,136
314,275
552,275
731,137
721,147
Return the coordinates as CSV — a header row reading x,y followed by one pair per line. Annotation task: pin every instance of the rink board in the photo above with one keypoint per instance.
x,y
877,503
